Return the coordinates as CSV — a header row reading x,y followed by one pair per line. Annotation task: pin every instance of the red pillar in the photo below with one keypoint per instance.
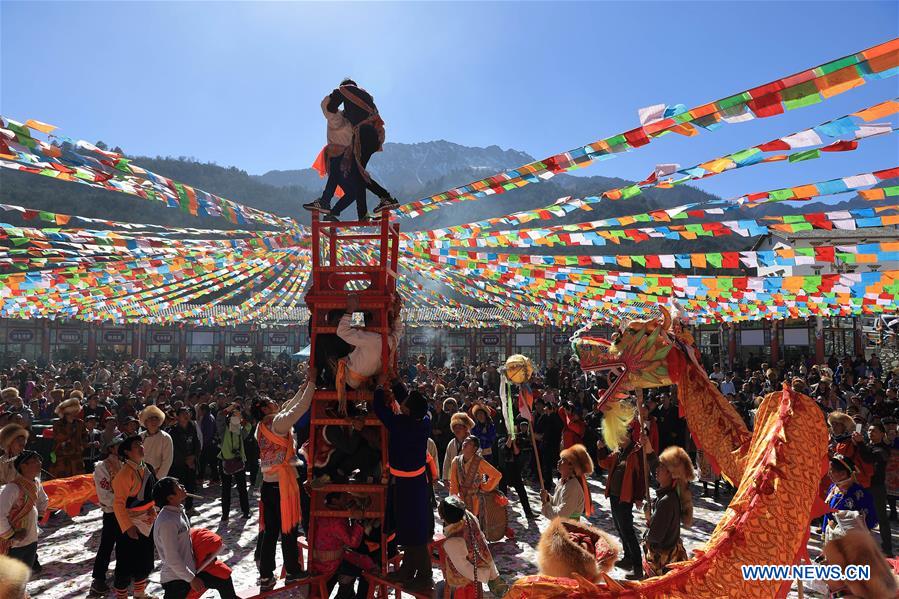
x,y
858,337
775,342
544,334
509,332
819,340
92,343
135,341
182,344
45,338
731,345
472,345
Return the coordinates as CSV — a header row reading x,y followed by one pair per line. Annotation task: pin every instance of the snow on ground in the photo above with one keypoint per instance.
x,y
67,546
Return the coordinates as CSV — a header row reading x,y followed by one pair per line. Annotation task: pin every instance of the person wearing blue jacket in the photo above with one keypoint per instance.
x,y
846,494
408,494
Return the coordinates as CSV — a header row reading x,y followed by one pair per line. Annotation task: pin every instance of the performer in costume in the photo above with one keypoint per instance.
x,y
21,502
626,486
662,543
471,475
408,496
461,425
468,560
279,504
335,542
13,438
68,439
571,498
568,551
104,473
134,510
368,138
365,359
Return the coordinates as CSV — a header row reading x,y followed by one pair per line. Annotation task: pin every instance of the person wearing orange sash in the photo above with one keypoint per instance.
x,y
135,512
279,503
572,495
471,475
21,502
409,501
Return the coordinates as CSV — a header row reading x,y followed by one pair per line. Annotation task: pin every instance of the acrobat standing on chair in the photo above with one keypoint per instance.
x,y
354,135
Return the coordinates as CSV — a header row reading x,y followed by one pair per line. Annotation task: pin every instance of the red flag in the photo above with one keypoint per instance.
x,y
525,401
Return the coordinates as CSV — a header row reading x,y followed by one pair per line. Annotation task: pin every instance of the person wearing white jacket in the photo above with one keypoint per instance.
x,y
104,471
21,502
158,446
179,573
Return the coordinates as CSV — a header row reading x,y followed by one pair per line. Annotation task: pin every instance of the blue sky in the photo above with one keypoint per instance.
x,y
240,83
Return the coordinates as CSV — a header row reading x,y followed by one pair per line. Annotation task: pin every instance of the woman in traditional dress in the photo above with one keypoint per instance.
x,y
846,494
471,475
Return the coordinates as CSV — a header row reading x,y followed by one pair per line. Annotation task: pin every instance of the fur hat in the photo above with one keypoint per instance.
x,y
858,547
13,577
9,433
9,393
76,394
677,462
70,405
450,401
479,408
461,419
149,412
58,393
842,418
565,549
579,458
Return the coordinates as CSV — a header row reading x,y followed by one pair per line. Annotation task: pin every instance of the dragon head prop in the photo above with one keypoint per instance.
x,y
635,357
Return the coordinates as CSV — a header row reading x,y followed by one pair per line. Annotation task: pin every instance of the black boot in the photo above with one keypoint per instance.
x,y
423,582
406,570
